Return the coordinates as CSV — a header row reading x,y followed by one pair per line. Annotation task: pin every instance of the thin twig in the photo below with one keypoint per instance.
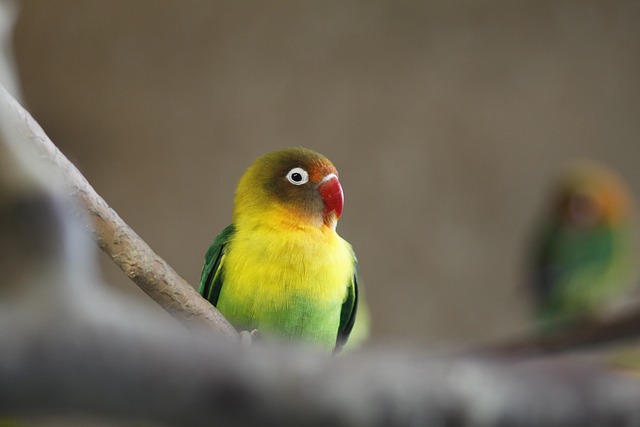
x,y
136,259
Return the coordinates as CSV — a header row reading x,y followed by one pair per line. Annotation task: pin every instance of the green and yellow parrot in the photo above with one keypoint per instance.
x,y
280,268
584,258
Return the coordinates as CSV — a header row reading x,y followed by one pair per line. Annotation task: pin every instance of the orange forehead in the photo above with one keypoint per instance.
x,y
600,184
318,170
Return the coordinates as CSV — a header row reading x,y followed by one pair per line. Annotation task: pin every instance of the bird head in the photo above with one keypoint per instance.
x,y
297,185
591,194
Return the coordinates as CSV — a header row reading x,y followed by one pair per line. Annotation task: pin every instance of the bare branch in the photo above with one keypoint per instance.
x,y
583,335
116,373
138,261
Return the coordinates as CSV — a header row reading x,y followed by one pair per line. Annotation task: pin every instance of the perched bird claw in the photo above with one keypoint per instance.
x,y
247,338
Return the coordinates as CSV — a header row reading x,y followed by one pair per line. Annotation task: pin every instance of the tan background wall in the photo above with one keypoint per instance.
x,y
445,119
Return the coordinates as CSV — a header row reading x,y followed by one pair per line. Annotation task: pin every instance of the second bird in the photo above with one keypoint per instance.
x,y
584,258
280,267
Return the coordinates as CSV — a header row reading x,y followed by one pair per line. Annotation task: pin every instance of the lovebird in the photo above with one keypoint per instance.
x,y
584,257
280,268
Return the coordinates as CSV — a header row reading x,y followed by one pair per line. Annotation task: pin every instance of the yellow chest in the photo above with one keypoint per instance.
x,y
270,268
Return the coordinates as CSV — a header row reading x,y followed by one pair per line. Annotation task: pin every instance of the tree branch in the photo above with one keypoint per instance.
x,y
584,335
136,259
117,373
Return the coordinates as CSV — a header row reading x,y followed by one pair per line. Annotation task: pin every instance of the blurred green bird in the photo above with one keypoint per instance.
x,y
584,256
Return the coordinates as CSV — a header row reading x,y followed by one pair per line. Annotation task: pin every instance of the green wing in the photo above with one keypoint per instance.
x,y
211,277
578,272
349,309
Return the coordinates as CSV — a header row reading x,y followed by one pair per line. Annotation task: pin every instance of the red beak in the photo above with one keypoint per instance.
x,y
331,193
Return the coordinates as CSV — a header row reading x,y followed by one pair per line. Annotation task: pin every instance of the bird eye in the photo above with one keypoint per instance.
x,y
297,176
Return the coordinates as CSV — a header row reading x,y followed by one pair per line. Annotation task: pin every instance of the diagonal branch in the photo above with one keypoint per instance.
x,y
138,261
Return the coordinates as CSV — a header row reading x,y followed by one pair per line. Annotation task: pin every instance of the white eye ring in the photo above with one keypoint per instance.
x,y
298,176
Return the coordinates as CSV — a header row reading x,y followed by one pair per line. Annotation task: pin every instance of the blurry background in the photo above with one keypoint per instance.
x,y
447,122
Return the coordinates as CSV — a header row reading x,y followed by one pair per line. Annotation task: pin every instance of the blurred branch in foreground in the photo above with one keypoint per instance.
x,y
72,346
139,262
